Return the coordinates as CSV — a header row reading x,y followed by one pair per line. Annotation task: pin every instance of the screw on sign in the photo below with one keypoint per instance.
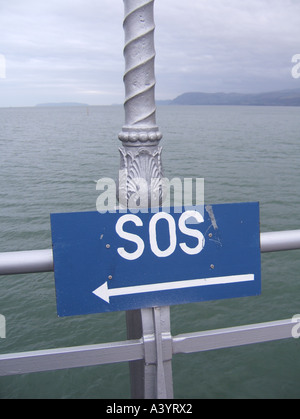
x,y
116,261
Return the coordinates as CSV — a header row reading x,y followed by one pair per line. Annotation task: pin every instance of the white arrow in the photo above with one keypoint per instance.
x,y
104,293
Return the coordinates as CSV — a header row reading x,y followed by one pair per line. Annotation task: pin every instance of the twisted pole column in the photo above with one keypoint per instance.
x,y
140,183
140,164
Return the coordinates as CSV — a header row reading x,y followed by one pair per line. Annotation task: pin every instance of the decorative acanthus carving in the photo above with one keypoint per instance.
x,y
140,177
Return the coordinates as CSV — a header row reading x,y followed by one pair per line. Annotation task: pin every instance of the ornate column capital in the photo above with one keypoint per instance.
x,y
140,136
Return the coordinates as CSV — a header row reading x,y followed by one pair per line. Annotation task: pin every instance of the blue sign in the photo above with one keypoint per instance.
x,y
124,261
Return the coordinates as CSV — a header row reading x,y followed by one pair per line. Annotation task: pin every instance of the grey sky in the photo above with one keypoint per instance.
x,y
72,50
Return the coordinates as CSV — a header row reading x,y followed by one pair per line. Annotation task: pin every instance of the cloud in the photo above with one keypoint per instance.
x,y
61,44
232,45
71,50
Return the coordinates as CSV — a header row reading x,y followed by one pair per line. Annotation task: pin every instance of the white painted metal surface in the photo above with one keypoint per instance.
x,y
23,262
155,349
280,240
32,261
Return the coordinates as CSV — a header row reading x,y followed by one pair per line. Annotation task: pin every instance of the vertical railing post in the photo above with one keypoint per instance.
x,y
140,185
140,167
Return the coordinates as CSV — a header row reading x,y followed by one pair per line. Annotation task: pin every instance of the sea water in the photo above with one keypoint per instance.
x,y
50,161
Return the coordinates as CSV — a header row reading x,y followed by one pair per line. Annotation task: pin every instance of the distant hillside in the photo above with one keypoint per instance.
x,y
61,104
279,98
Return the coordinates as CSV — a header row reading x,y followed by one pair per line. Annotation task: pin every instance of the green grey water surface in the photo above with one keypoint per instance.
x,y
50,159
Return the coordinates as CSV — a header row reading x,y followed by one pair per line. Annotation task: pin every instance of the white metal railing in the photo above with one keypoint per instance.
x,y
29,261
279,240
33,261
156,347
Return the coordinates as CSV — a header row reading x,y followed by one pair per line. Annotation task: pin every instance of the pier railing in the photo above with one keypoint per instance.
x,y
156,346
150,345
34,261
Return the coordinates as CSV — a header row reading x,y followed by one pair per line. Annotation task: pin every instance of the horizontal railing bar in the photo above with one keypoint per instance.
x,y
23,262
73,357
33,261
279,240
92,355
233,336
